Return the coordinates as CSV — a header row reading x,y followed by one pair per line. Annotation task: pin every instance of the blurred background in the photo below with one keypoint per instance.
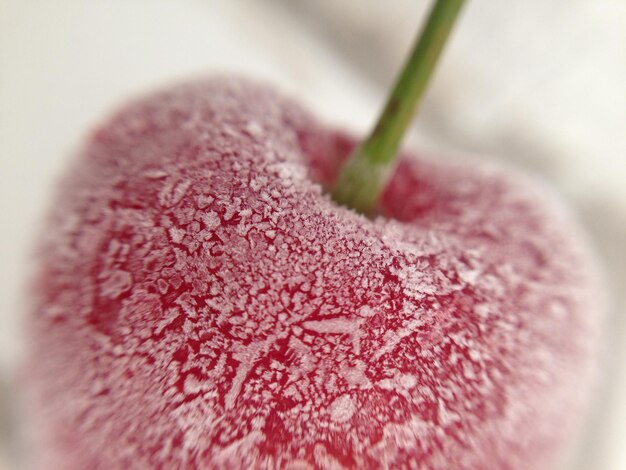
x,y
538,84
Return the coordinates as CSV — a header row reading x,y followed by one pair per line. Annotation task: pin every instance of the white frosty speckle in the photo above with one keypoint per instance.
x,y
342,409
116,284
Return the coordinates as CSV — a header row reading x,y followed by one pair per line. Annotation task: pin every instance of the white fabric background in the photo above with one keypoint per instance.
x,y
540,84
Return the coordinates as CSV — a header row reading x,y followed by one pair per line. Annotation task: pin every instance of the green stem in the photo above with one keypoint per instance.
x,y
365,174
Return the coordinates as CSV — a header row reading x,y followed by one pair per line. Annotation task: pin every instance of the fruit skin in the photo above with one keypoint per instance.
x,y
201,303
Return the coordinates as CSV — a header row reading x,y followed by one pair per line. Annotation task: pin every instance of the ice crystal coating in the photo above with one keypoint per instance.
x,y
202,303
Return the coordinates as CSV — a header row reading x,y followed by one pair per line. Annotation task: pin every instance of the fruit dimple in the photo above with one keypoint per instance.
x,y
194,269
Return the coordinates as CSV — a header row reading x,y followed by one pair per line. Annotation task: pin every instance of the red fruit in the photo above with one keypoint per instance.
x,y
202,303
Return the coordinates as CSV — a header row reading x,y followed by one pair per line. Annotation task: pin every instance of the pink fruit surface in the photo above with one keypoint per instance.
x,y
202,303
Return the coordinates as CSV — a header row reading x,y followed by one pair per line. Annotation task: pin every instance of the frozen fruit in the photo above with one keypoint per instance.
x,y
203,303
